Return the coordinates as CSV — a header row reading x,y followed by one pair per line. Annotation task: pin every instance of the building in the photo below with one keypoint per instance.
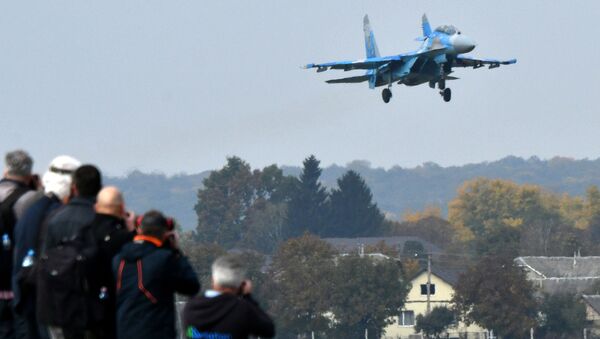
x,y
441,292
347,245
562,274
592,310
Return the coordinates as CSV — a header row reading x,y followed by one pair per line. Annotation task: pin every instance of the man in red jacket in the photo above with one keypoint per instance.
x,y
227,311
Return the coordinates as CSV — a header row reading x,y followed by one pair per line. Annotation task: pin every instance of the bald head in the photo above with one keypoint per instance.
x,y
110,201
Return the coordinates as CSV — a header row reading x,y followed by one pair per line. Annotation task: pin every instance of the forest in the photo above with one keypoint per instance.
x,y
396,190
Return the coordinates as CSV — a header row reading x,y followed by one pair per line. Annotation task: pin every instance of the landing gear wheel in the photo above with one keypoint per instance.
x,y
447,94
386,95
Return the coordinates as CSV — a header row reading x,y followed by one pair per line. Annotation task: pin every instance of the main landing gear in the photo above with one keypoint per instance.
x,y
446,93
386,95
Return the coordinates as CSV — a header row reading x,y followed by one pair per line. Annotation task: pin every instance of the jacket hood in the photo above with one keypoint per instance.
x,y
136,250
209,311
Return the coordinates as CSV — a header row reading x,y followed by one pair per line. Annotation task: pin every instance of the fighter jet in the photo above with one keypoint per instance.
x,y
441,50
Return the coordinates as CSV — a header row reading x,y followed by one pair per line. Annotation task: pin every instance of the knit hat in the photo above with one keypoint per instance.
x,y
57,179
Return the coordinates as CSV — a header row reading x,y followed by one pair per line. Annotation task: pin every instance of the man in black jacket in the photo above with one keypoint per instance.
x,y
110,231
228,310
79,212
149,272
64,225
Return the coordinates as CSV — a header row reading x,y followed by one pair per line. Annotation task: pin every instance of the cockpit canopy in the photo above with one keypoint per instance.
x,y
448,29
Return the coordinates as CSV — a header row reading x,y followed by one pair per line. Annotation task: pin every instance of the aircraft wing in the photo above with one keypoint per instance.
x,y
349,80
466,61
372,63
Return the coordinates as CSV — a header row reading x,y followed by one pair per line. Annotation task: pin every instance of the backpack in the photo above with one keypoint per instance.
x,y
7,225
62,282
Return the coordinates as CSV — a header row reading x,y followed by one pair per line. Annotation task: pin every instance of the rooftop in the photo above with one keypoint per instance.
x,y
593,301
562,267
353,244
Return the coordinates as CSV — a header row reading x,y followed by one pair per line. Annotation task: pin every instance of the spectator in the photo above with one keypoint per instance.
x,y
149,271
228,310
16,193
79,212
66,224
57,189
111,229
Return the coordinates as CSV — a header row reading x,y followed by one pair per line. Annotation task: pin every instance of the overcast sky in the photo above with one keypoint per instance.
x,y
176,86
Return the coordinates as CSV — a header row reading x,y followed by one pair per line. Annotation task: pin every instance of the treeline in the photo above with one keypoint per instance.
x,y
239,207
258,209
396,190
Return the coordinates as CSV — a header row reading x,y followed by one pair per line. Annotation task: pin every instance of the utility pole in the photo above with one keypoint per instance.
x,y
428,283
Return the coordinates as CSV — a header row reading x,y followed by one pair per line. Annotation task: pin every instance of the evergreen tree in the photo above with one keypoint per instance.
x,y
352,210
307,206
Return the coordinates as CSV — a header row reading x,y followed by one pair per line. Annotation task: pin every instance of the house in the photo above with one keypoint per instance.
x,y
441,292
592,310
561,274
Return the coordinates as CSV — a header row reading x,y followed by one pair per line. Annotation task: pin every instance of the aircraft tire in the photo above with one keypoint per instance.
x,y
447,94
386,95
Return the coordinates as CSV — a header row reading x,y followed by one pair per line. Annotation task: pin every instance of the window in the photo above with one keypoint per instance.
x,y
406,318
424,289
447,29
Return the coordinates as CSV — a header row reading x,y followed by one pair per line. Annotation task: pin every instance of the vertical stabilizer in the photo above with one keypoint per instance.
x,y
370,44
426,26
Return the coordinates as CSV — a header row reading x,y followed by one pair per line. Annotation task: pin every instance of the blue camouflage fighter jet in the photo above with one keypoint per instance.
x,y
441,50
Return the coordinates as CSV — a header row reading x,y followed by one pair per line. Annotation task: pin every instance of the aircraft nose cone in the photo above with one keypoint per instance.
x,y
464,44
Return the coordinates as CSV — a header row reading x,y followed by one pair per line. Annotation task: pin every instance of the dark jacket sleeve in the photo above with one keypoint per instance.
x,y
261,324
185,280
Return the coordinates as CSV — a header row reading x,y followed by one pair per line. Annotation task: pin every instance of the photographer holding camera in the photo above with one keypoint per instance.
x,y
227,310
112,228
149,271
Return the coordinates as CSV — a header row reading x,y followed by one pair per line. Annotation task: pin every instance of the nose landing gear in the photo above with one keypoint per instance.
x,y
386,95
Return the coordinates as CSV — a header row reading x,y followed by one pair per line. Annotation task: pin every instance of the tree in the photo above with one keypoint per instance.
x,y
501,241
435,323
563,315
300,287
367,293
264,226
237,205
496,295
223,201
353,212
307,206
486,208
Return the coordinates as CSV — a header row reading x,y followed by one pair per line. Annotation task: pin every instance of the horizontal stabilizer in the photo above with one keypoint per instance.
x,y
356,79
